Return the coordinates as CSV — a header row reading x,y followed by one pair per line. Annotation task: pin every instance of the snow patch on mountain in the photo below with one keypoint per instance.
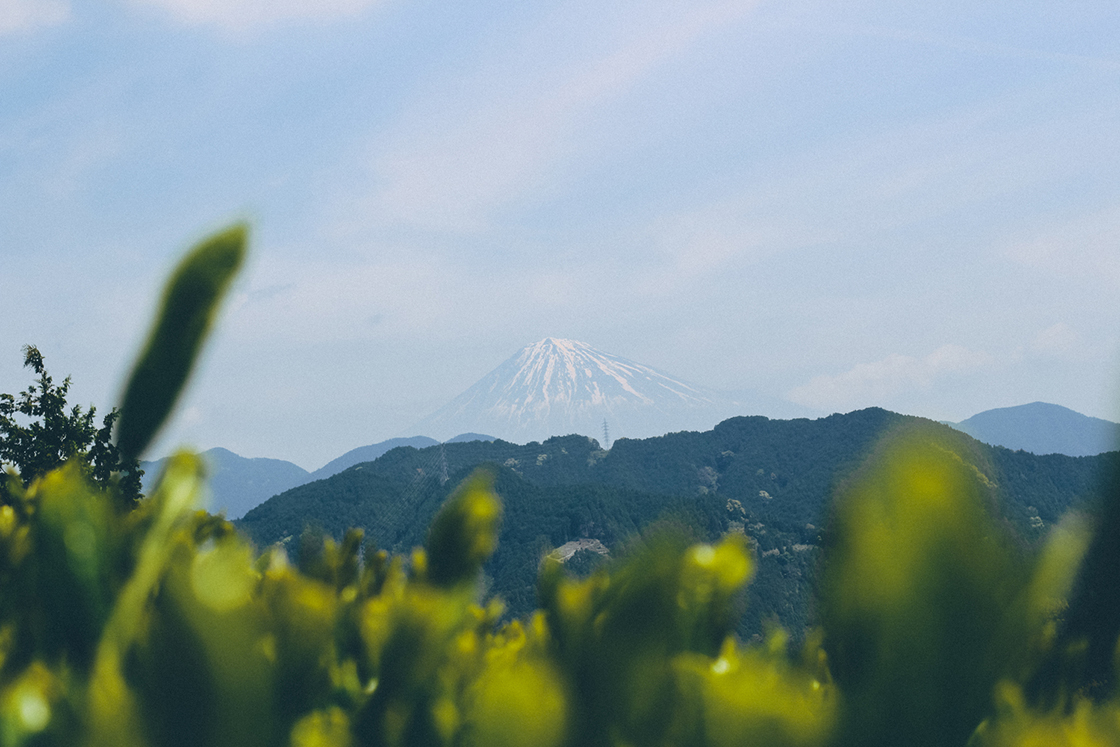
x,y
558,386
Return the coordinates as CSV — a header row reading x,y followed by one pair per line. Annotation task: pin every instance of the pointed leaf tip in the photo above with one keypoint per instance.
x,y
190,302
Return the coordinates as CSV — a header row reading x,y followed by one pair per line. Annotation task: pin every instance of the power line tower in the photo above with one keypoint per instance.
x,y
606,435
442,466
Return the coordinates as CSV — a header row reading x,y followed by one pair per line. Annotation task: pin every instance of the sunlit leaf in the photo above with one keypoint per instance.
x,y
465,532
917,583
190,303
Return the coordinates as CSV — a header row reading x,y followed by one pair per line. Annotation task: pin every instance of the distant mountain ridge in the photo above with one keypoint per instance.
x,y
368,454
1043,428
557,387
239,483
468,437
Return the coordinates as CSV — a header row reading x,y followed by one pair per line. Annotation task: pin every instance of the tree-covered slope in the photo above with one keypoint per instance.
x,y
772,480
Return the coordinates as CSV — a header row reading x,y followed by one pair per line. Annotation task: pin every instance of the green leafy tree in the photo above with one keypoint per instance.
x,y
51,434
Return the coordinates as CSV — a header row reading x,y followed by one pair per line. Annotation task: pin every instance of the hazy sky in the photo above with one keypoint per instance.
x,y
842,204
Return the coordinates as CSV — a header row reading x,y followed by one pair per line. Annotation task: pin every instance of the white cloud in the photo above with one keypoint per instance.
x,y
239,15
27,15
698,244
1087,246
1056,341
316,301
191,416
869,384
481,142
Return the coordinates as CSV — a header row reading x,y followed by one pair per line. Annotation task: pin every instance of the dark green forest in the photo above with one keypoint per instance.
x,y
771,480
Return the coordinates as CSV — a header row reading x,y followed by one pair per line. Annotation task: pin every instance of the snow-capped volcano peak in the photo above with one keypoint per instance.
x,y
558,386
564,373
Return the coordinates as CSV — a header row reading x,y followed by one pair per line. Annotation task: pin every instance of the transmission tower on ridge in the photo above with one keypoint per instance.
x,y
606,435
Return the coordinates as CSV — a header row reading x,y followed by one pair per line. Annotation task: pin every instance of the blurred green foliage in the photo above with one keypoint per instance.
x,y
163,626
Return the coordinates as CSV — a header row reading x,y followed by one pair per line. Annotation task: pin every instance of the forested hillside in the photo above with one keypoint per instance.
x,y
769,479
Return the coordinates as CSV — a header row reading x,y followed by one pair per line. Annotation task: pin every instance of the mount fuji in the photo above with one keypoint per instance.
x,y
557,387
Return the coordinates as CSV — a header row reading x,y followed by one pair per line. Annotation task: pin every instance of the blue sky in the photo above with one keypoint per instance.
x,y
909,205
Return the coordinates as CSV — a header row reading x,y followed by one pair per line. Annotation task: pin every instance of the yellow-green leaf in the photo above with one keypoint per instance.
x,y
190,303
